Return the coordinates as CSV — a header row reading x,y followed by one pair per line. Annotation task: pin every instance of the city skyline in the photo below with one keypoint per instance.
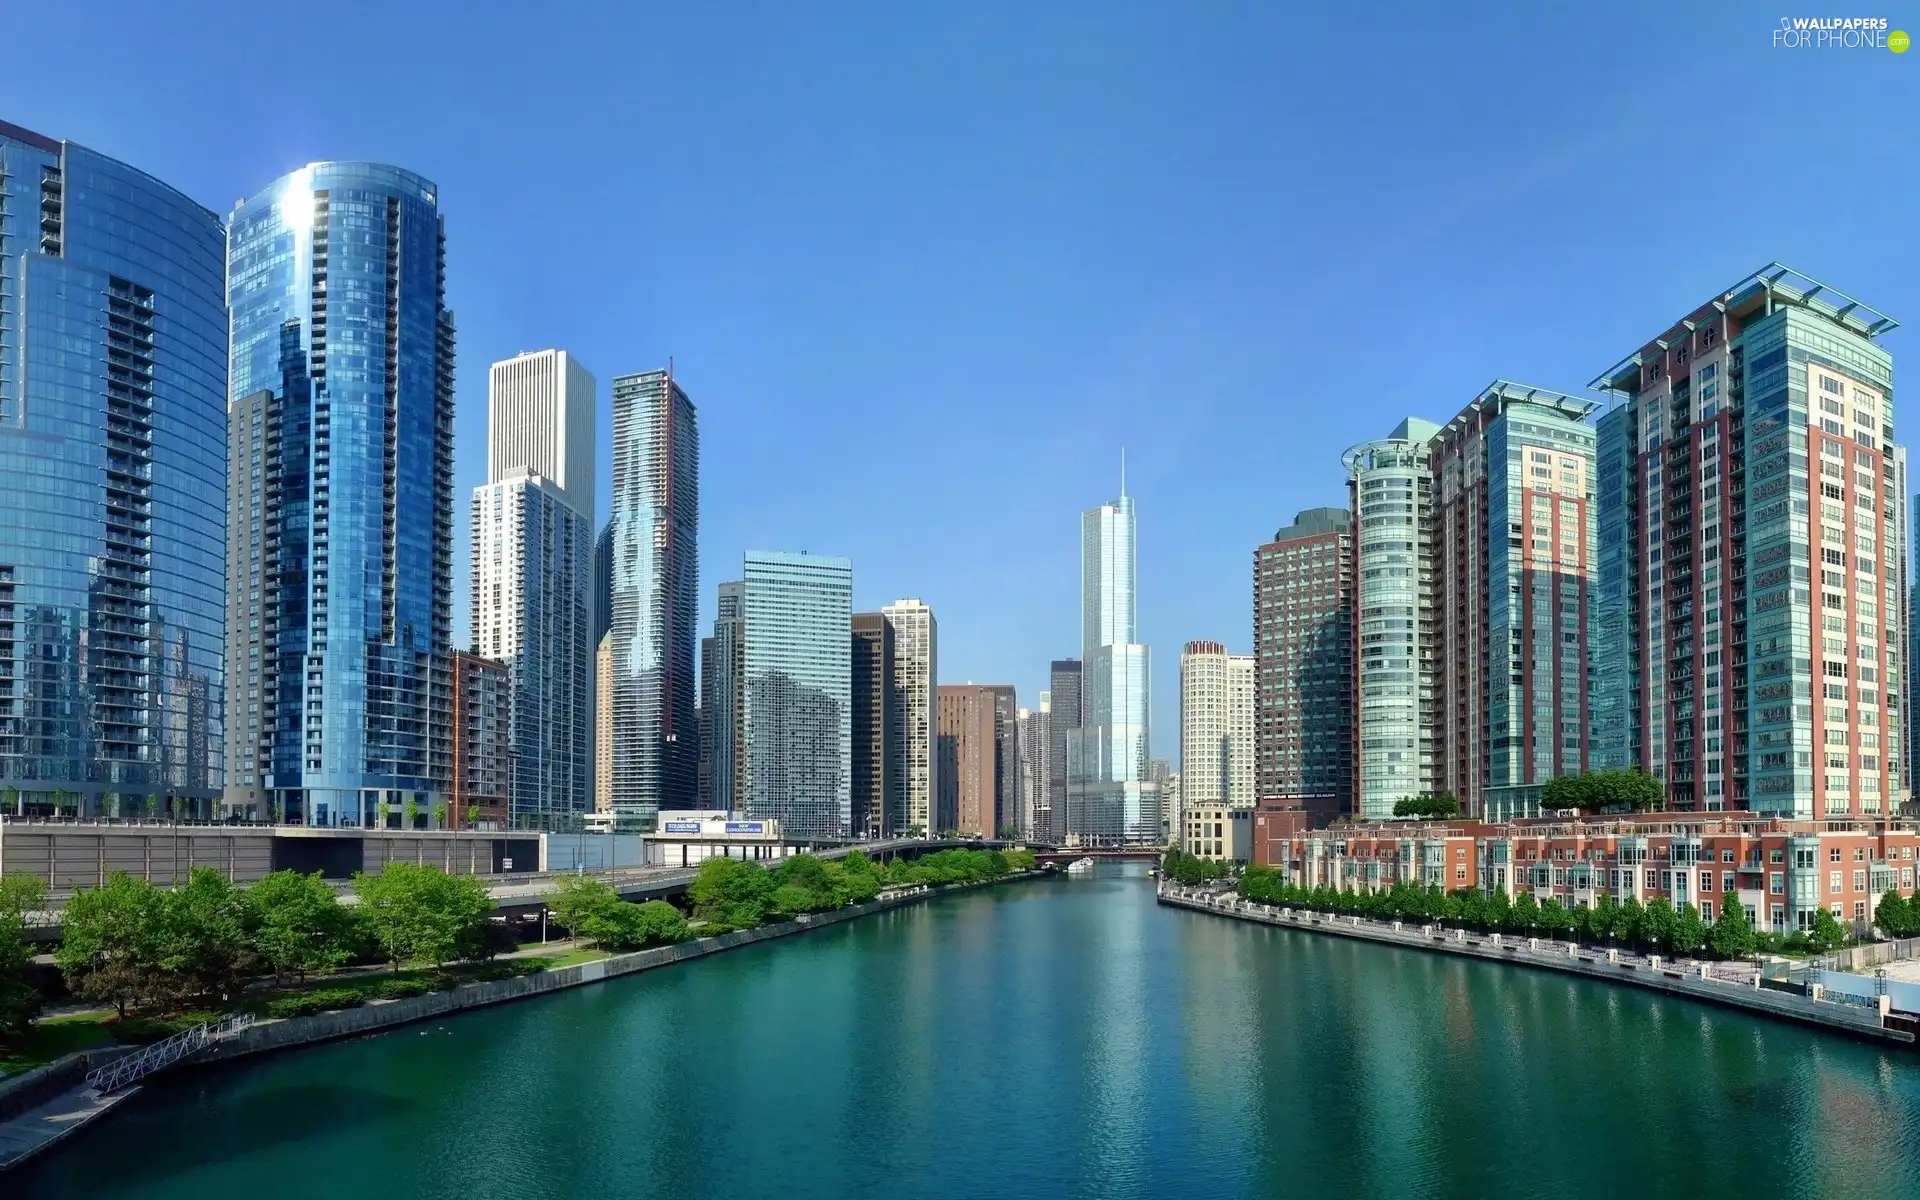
x,y
1094,250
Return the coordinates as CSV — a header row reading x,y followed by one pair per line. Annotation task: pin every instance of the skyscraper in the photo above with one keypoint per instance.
x,y
1303,650
113,439
1035,739
1758,545
532,610
1006,751
875,739
1393,596
722,697
336,285
1110,799
1065,683
1513,553
970,759
540,418
656,592
916,647
798,614
532,595
1216,726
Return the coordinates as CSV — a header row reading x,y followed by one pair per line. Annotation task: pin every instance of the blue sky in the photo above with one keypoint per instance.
x,y
926,269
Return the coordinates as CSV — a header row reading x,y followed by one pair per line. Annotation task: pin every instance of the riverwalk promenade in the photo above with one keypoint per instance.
x,y
1735,985
58,1114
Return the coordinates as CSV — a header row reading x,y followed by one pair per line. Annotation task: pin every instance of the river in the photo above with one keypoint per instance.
x,y
1060,1038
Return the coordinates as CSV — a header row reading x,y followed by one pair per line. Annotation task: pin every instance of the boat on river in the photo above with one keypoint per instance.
x,y
1080,866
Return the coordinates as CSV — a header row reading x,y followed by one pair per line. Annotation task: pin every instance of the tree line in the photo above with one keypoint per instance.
x,y
1657,925
133,945
732,893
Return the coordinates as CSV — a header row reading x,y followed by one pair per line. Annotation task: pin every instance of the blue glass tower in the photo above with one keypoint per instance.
x,y
112,487
1111,798
336,277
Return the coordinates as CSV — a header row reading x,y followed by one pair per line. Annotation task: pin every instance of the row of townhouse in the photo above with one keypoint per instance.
x,y
1783,871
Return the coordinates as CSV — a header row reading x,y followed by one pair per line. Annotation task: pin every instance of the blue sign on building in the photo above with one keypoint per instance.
x,y
683,827
746,827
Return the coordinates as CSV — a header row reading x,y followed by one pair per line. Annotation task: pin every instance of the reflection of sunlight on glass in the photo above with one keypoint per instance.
x,y
296,202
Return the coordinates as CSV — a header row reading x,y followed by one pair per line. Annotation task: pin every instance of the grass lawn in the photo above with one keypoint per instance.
x,y
549,962
50,1039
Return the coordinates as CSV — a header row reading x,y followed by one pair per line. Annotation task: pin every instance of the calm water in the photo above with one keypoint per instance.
x,y
1048,1039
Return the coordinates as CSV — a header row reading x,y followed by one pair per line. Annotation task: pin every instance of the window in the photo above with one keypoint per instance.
x,y
1833,882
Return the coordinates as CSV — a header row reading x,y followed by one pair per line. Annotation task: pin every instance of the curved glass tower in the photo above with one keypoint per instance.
x,y
1393,596
112,487
343,342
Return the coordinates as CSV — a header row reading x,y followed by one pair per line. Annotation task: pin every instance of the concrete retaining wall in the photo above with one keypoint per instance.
x,y
381,1014
18,1093
1846,1018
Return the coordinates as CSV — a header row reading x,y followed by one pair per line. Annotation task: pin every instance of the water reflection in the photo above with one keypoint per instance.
x,y
1060,1038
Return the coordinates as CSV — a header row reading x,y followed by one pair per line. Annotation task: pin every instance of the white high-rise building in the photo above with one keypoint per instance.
x,y
916,642
532,603
540,418
1111,799
1216,726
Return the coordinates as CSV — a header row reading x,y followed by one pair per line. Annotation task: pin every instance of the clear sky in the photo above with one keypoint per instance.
x,y
925,269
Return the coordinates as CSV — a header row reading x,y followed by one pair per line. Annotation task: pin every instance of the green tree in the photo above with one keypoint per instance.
x,y
659,923
1524,916
420,913
578,898
1660,924
732,891
20,1001
1826,934
1894,915
1690,932
205,935
298,926
1630,922
111,942
410,813
1732,934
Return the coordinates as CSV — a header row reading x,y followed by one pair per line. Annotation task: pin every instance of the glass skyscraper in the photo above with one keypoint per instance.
x,y
655,592
336,281
1111,798
112,487
798,711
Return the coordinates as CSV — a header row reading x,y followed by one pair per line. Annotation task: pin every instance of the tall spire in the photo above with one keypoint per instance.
x,y
1123,472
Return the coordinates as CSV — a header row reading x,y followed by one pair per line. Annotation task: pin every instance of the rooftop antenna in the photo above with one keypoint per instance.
x,y
1123,472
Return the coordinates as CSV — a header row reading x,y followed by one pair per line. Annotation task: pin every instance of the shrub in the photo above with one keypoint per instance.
x,y
324,1000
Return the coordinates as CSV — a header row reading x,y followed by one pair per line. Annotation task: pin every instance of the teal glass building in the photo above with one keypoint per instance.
x,y
113,380
797,611
336,278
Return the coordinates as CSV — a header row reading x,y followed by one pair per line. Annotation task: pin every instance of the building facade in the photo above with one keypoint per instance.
x,y
876,741
1006,751
916,676
540,418
480,724
1065,688
532,598
336,291
1034,742
655,589
1216,726
1220,832
797,611
113,490
603,725
1391,499
1513,552
1759,554
1782,872
722,694
970,759
1110,799
1303,664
